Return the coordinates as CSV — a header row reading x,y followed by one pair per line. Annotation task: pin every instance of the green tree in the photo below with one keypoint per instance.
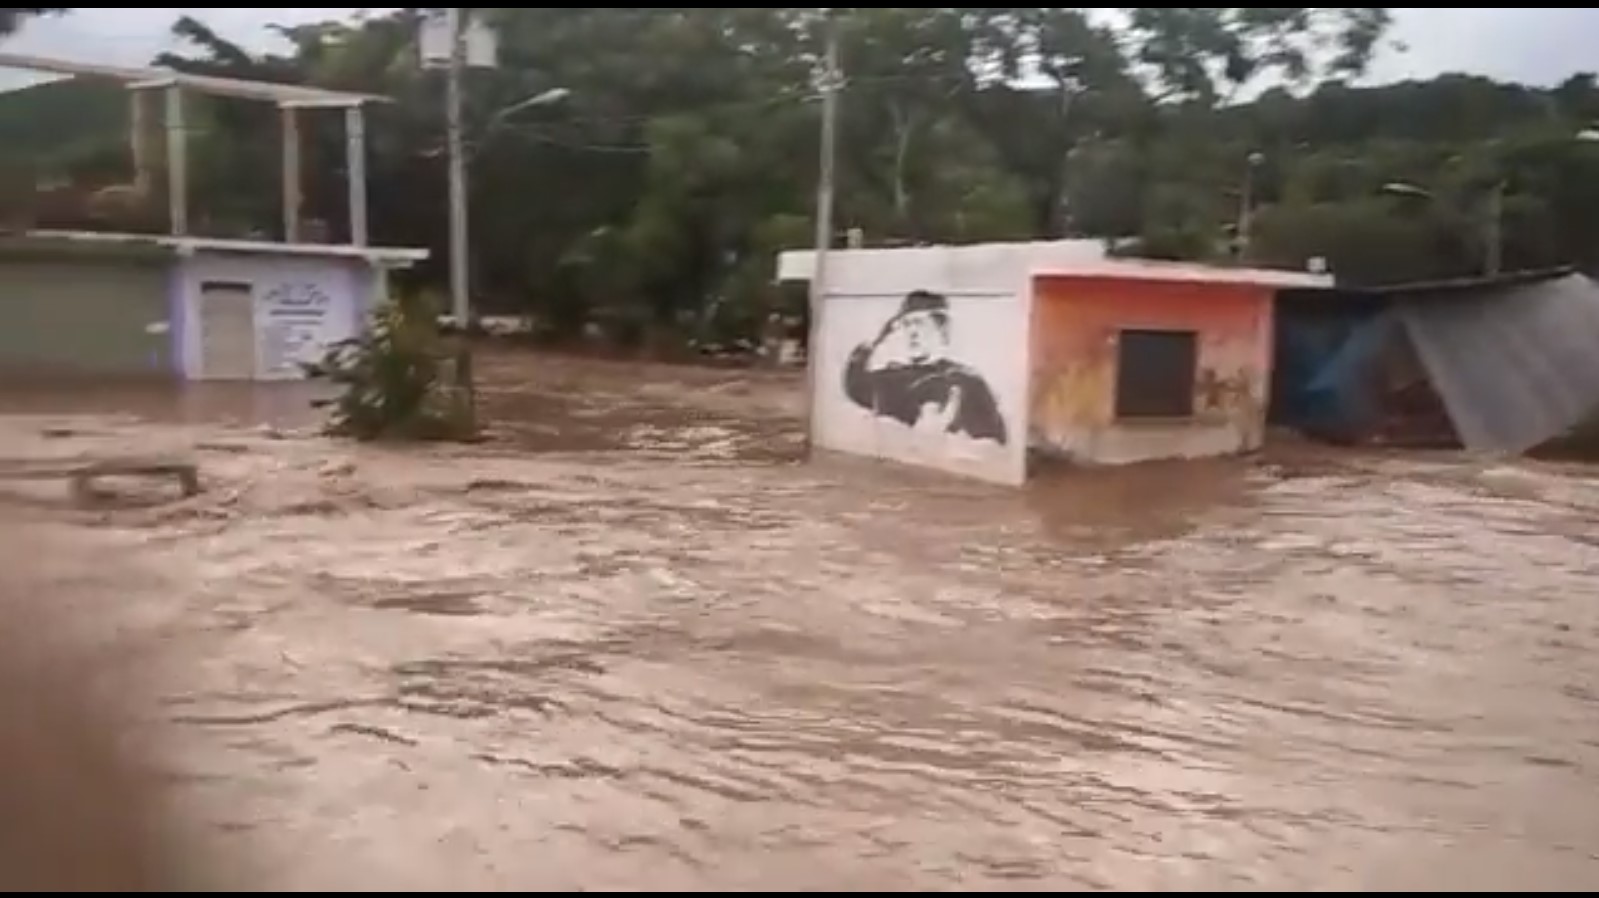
x,y
1207,54
1090,95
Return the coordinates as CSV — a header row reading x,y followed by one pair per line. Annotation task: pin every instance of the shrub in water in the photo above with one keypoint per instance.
x,y
397,380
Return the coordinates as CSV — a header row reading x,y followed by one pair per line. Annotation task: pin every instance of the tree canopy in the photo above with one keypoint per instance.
x,y
680,153
12,19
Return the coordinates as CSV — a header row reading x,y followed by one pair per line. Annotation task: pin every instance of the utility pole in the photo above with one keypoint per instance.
x,y
1063,202
460,261
1494,248
832,79
1246,208
460,245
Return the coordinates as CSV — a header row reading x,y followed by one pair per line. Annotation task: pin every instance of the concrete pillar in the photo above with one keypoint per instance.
x,y
177,164
291,175
355,151
141,141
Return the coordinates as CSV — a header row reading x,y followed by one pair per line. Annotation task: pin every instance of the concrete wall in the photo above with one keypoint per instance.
x,y
84,313
302,304
922,359
1075,350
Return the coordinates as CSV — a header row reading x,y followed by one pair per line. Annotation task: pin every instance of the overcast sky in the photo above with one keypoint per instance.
x,y
1542,45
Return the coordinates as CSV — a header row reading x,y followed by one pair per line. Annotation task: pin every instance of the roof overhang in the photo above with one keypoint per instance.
x,y
151,78
388,256
1182,272
1050,259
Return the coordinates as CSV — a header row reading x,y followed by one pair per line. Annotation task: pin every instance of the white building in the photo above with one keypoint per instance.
x,y
178,304
971,359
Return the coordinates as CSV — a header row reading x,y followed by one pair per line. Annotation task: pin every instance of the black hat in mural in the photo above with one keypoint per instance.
x,y
919,302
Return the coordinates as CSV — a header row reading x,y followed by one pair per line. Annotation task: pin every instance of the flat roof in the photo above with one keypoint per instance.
x,y
266,91
1002,264
387,255
1151,270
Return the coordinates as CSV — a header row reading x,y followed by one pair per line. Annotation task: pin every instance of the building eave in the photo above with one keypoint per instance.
x,y
155,77
185,246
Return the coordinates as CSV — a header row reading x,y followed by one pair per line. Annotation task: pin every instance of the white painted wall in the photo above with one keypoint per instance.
x,y
866,268
957,264
302,305
966,417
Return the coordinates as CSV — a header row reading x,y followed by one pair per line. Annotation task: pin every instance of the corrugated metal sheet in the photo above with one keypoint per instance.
x,y
1517,366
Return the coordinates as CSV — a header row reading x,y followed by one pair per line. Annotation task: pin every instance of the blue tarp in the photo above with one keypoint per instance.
x,y
1326,370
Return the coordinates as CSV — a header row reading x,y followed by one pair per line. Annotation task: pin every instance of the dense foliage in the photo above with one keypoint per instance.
x,y
683,155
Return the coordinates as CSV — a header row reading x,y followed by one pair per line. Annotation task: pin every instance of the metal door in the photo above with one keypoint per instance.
x,y
227,331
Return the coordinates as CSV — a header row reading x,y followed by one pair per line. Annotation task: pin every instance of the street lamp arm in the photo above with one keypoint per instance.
x,y
546,98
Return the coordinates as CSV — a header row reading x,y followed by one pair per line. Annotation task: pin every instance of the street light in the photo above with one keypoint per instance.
x,y
1494,244
1401,188
546,98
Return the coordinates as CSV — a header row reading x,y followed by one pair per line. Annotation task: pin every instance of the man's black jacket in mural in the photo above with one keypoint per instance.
x,y
902,391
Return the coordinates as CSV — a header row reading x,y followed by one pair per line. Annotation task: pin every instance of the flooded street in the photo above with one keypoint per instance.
x,y
633,643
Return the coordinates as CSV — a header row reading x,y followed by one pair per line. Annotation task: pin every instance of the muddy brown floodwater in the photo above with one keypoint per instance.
x,y
633,643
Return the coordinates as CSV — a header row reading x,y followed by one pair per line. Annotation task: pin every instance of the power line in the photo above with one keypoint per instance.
x,y
585,147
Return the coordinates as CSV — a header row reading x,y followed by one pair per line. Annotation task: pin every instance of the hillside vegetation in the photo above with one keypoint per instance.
x,y
683,155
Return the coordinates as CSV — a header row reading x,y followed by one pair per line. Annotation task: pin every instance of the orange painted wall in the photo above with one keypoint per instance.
x,y
1075,326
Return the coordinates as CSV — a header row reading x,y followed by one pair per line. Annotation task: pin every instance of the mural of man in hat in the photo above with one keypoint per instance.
x,y
906,375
